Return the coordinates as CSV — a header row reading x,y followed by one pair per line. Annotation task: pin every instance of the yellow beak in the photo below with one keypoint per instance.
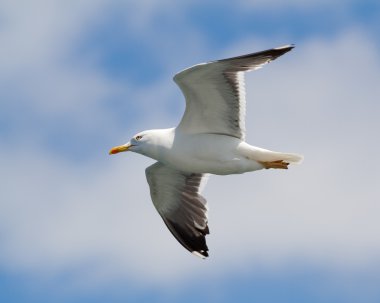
x,y
118,149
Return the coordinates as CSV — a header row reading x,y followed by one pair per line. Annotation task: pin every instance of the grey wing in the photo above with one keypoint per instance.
x,y
215,93
176,196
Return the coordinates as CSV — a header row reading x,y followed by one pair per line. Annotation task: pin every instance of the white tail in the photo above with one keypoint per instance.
x,y
264,155
290,158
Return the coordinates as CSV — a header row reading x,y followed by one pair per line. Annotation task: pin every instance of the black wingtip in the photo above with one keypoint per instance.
x,y
196,244
271,54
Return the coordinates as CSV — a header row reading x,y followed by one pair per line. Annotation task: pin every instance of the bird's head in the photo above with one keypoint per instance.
x,y
148,142
137,144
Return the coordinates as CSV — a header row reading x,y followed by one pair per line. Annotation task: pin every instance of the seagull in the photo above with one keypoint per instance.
x,y
210,139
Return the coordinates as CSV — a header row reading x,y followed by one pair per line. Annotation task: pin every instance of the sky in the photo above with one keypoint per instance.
x,y
79,77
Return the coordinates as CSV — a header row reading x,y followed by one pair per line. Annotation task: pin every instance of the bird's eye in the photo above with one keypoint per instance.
x,y
138,138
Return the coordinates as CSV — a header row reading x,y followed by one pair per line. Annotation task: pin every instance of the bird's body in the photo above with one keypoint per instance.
x,y
206,153
210,139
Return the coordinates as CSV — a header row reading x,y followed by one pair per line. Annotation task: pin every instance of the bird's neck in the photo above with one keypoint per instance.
x,y
161,141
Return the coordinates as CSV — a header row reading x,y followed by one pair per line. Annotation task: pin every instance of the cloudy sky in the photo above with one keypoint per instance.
x,y
78,77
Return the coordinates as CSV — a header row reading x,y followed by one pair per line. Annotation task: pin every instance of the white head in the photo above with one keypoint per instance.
x,y
148,143
138,144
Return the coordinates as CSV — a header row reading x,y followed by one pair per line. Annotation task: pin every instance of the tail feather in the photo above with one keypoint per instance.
x,y
290,158
264,155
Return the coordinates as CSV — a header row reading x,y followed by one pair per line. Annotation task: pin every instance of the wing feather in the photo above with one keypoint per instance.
x,y
215,93
176,196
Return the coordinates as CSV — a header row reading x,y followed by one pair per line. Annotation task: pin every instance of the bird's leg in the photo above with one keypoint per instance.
x,y
275,164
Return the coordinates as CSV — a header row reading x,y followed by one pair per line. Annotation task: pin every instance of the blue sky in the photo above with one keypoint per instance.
x,y
77,78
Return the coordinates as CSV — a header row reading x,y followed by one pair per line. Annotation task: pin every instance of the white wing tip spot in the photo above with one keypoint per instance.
x,y
195,253
285,46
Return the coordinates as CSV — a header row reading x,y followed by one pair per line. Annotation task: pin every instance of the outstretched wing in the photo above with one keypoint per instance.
x,y
215,94
176,196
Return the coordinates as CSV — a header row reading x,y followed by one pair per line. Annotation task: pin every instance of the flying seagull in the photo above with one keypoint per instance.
x,y
210,139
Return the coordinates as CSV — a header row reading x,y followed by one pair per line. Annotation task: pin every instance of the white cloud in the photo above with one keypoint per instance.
x,y
45,76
